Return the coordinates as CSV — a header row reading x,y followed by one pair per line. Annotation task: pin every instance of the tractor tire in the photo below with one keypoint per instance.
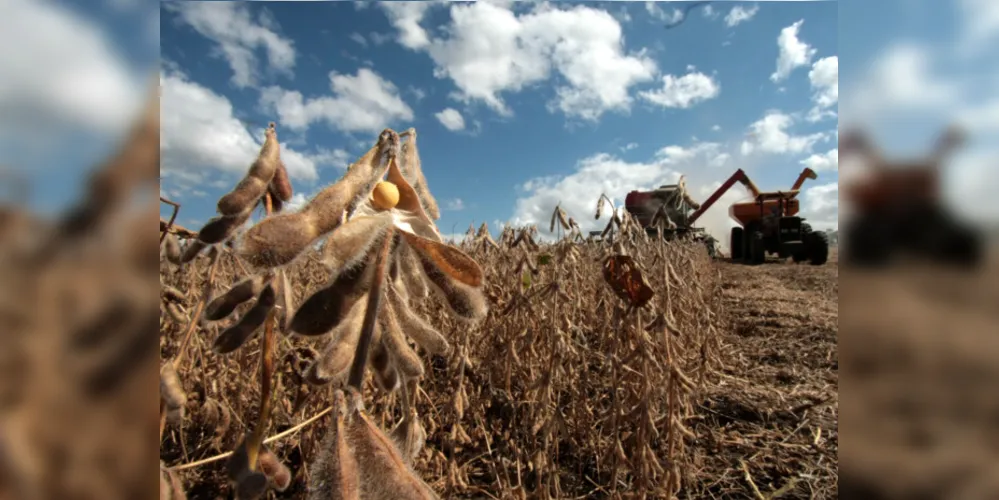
x,y
868,242
806,234
817,246
757,251
735,247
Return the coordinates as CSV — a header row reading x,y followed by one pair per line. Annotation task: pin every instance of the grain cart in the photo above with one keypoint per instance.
x,y
898,210
770,224
668,209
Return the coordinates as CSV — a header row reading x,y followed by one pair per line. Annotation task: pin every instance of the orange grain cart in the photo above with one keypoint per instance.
x,y
770,224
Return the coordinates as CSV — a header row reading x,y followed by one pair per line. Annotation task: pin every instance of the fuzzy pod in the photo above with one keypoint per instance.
x,y
172,393
171,248
222,227
235,336
454,274
252,187
409,164
277,472
222,306
384,471
384,372
278,240
352,242
335,474
335,359
280,186
416,327
171,487
193,249
404,358
409,436
326,308
172,294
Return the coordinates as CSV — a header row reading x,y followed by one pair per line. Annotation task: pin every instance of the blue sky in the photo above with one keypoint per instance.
x,y
557,103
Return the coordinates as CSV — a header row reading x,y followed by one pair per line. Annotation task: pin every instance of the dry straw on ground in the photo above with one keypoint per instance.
x,y
567,369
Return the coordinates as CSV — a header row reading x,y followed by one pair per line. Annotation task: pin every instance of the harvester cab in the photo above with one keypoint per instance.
x,y
770,223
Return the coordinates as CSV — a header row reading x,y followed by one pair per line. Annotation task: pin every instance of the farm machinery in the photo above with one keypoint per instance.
x,y
898,209
667,209
770,224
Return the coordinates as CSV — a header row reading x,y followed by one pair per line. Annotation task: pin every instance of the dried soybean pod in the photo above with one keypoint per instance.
x,y
326,308
336,357
385,473
221,227
276,241
223,305
194,247
405,360
416,327
235,336
249,190
272,467
280,185
171,248
454,275
412,171
335,472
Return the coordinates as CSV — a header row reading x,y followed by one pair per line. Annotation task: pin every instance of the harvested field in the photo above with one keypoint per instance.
x,y
538,381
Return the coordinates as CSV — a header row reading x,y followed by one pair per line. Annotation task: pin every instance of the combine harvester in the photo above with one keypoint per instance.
x,y
668,209
769,224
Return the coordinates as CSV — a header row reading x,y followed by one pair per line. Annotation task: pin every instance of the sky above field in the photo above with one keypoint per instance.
x,y
518,107
557,103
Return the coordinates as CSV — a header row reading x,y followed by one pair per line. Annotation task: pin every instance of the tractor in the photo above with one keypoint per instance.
x,y
898,211
770,224
667,210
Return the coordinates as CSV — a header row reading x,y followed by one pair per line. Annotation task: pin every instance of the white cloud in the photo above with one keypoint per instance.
x,y
793,52
62,72
901,79
405,17
364,102
579,191
981,26
230,25
199,133
583,45
820,205
629,146
740,14
822,162
716,128
359,39
451,119
824,79
683,92
454,205
769,135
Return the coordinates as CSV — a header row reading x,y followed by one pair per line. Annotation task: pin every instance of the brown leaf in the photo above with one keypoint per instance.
x,y
626,280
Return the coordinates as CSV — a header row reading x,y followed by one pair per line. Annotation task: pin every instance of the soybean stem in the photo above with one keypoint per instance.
x,y
370,314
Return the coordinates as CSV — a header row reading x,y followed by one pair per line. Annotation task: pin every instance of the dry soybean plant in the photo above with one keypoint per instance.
x,y
511,367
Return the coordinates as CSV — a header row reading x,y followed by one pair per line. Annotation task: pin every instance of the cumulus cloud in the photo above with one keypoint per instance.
x,y
683,92
740,14
824,79
604,173
584,46
62,72
199,133
454,205
451,119
364,102
820,205
238,36
828,161
794,53
769,135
